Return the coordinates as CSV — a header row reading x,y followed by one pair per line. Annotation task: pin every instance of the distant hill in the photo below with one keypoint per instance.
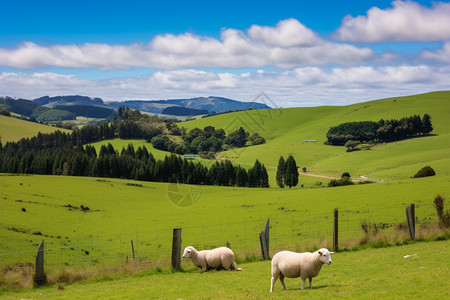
x,y
187,107
88,111
210,104
34,111
67,100
183,111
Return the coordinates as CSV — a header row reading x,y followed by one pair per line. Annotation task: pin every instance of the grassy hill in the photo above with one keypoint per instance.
x,y
12,129
285,130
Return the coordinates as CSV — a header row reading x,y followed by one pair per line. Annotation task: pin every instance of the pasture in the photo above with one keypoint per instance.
x,y
285,130
12,129
53,208
146,212
366,274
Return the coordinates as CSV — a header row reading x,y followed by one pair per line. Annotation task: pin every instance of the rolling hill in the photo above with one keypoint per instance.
x,y
12,129
286,129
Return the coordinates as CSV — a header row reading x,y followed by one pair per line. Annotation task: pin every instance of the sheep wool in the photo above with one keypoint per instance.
x,y
219,258
292,265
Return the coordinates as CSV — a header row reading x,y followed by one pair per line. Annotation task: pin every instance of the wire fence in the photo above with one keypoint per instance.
x,y
304,231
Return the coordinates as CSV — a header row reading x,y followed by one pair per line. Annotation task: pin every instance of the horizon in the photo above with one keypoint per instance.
x,y
255,100
299,54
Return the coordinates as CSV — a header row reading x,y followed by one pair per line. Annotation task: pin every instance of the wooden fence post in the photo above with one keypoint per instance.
x,y
336,231
39,278
264,240
410,220
176,249
132,248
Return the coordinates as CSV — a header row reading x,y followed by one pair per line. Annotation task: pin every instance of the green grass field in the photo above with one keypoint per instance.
x,y
35,207
146,212
12,129
366,274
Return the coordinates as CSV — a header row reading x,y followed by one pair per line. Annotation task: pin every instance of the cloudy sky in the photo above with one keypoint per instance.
x,y
299,53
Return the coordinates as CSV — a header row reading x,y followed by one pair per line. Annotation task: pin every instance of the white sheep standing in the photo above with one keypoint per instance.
x,y
219,258
292,265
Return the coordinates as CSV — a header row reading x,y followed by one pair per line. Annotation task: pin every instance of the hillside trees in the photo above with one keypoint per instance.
x,y
381,131
59,156
287,172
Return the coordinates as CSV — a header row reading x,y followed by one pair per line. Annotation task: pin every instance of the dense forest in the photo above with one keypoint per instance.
x,y
381,131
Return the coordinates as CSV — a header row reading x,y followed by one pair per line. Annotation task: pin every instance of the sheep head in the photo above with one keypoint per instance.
x,y
187,251
325,256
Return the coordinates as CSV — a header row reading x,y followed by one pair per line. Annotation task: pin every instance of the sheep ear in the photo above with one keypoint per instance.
x,y
320,252
331,252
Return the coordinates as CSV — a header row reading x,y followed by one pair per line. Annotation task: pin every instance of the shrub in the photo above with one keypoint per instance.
x,y
424,172
340,182
444,217
345,174
5,112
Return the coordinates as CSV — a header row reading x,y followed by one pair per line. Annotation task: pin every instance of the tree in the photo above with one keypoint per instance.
x,y
256,139
237,138
426,124
291,172
345,174
351,145
264,178
280,172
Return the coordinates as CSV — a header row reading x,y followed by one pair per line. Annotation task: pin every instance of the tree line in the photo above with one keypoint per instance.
x,y
167,136
57,154
381,131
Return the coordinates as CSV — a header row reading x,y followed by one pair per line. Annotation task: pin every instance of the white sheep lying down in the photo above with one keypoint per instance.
x,y
292,265
219,258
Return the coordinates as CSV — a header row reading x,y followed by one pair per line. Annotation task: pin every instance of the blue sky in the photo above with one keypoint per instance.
x,y
300,53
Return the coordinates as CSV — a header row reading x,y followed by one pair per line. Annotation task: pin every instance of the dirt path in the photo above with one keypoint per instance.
x,y
337,177
311,174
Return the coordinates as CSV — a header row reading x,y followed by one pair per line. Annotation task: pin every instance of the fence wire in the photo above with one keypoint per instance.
x,y
306,231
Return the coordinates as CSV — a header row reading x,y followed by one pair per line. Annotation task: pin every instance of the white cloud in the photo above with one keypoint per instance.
x,y
304,86
440,55
287,33
405,21
286,45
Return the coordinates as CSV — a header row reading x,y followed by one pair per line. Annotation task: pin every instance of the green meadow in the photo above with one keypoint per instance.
x,y
35,208
146,212
285,130
12,129
367,274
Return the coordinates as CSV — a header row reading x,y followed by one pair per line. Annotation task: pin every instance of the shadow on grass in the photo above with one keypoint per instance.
x,y
317,287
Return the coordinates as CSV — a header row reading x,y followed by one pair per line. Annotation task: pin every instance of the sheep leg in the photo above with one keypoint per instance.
x,y
274,279
310,283
303,283
282,281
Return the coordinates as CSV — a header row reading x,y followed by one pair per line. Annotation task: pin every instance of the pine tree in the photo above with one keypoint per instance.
x,y
426,124
264,180
280,172
291,172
